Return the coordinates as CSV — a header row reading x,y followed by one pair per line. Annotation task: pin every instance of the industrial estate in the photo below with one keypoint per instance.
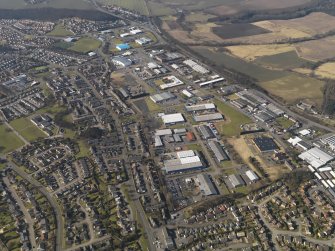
x,y
114,137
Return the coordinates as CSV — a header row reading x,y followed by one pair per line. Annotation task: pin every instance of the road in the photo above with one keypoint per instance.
x,y
25,212
56,208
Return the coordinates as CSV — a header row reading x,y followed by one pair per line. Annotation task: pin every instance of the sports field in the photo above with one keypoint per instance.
x,y
8,140
85,45
27,129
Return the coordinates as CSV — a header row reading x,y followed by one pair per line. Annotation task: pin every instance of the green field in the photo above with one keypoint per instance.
x,y
295,87
284,122
60,31
152,106
67,4
133,5
85,45
234,119
286,60
27,129
159,9
8,140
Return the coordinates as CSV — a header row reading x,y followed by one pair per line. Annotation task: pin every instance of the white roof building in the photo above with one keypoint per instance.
x,y
206,185
185,154
173,118
252,175
316,157
196,67
294,141
200,107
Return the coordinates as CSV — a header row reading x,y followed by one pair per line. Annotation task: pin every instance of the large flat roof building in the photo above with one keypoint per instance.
x,y
208,117
200,107
173,118
206,132
218,151
265,144
183,161
162,97
206,184
236,180
316,157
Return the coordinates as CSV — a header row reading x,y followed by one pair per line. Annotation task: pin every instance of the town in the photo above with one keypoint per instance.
x,y
111,138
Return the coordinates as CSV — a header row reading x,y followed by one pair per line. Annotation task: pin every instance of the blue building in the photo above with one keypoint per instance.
x,y
122,47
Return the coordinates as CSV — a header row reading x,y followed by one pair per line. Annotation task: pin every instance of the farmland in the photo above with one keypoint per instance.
x,y
9,141
238,30
251,52
85,45
66,4
285,60
326,70
290,88
134,5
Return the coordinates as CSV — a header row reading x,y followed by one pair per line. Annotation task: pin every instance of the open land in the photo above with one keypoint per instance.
x,y
85,45
27,129
8,140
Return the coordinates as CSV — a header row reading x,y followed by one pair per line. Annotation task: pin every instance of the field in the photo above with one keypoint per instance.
x,y
134,5
233,120
85,45
27,129
238,30
326,70
284,122
198,17
223,59
295,87
67,4
8,140
60,31
317,50
286,60
251,52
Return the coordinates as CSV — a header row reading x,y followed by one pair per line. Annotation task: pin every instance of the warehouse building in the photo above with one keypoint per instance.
x,y
183,161
171,119
200,107
162,97
316,157
206,185
143,41
218,151
252,176
121,61
195,66
207,117
206,132
211,82
236,180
